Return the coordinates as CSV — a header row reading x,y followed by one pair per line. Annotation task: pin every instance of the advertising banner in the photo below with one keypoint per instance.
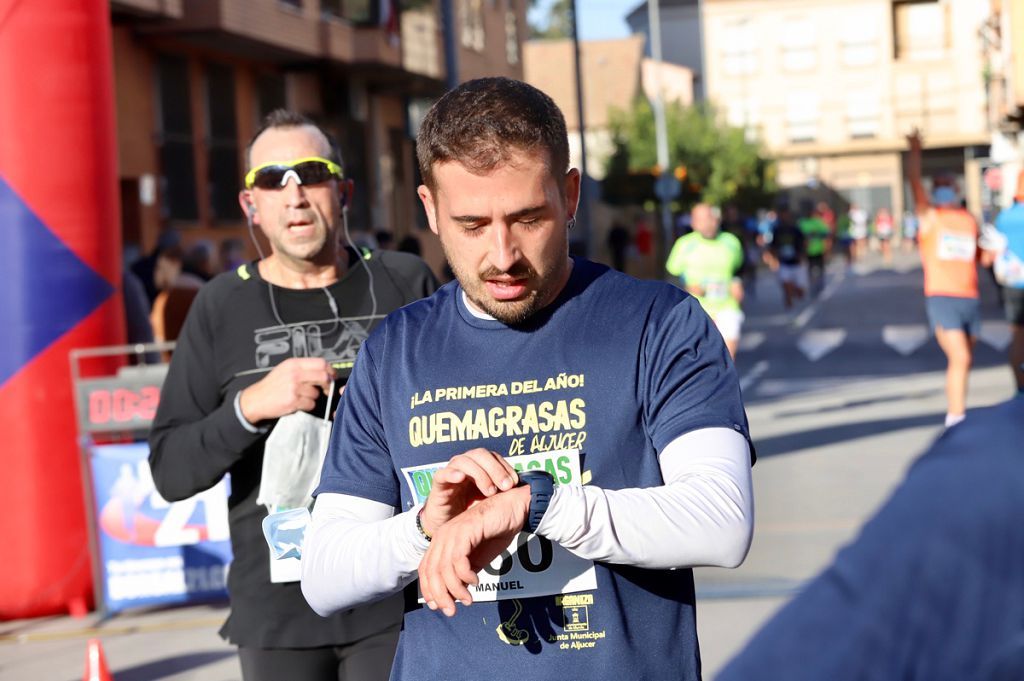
x,y
152,552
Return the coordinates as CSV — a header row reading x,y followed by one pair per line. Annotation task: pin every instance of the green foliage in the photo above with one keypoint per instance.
x,y
721,165
557,24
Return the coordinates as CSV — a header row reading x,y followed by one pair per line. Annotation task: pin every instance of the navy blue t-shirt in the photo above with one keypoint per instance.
x,y
616,368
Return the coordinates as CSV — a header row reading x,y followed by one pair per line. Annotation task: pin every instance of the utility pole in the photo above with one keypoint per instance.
x,y
583,212
451,49
666,187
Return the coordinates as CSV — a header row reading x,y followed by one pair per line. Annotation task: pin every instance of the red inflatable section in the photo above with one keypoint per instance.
x,y
58,174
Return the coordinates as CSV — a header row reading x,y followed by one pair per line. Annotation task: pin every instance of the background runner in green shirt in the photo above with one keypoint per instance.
x,y
818,236
708,263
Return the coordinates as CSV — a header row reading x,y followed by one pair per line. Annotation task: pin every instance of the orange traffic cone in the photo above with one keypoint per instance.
x,y
95,663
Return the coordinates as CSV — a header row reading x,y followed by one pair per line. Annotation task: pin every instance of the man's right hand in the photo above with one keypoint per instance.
x,y
466,479
914,141
293,385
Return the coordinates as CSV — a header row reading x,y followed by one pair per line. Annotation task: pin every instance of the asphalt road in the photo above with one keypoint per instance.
x,y
842,395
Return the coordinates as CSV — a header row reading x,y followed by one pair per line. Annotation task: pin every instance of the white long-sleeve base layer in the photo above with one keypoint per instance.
x,y
358,550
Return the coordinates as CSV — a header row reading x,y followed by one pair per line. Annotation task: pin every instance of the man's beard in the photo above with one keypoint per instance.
x,y
511,312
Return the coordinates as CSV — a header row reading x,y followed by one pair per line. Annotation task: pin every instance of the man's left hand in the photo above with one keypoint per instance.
x,y
466,544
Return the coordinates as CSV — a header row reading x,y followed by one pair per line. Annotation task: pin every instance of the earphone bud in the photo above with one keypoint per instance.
x,y
347,187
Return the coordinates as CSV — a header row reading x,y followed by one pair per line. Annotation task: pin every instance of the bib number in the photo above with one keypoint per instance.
x,y
530,565
716,289
1009,269
957,247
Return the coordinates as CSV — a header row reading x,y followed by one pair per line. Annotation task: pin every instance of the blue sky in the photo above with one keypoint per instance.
x,y
599,19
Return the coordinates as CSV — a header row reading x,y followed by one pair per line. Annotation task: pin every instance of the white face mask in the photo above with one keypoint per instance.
x,y
293,457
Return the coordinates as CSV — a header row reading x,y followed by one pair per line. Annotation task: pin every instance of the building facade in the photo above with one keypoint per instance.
x,y
615,73
193,79
681,37
834,86
1003,37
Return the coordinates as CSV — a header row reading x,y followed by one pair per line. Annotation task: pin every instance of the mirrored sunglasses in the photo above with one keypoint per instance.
x,y
305,171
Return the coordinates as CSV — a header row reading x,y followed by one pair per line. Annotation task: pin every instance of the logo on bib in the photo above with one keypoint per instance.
x,y
508,632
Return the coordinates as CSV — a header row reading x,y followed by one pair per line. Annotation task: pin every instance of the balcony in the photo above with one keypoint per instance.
x,y
150,9
285,31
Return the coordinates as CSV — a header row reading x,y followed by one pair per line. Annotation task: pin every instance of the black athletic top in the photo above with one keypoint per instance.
x,y
238,329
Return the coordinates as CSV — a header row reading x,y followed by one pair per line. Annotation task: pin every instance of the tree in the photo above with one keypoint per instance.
x,y
714,160
557,23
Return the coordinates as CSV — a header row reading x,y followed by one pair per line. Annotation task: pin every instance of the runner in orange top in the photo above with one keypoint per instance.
x,y
949,255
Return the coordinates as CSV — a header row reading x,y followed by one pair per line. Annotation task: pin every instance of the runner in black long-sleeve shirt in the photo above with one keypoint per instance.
x,y
258,344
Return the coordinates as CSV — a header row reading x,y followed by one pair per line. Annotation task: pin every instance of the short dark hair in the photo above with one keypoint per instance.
x,y
481,122
283,118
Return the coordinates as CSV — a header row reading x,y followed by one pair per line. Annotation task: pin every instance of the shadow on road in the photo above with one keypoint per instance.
x,y
830,435
851,404
168,666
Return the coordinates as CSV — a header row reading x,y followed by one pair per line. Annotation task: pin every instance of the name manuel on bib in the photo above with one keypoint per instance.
x,y
511,585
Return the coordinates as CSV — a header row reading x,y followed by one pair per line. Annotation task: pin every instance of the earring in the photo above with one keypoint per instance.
x,y
571,223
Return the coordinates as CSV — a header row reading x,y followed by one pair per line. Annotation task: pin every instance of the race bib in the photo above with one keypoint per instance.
x,y
1009,269
716,289
531,565
959,247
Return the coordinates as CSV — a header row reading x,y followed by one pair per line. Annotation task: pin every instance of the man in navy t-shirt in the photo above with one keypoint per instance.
x,y
546,439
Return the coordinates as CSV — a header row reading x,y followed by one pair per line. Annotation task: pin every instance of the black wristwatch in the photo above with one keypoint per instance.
x,y
542,486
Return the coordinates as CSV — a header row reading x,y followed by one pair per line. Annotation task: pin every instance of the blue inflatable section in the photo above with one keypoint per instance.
x,y
46,290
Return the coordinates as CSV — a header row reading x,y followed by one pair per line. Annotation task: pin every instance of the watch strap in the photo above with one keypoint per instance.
x,y
542,486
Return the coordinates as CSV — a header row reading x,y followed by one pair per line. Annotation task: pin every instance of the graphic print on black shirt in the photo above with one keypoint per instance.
x,y
235,333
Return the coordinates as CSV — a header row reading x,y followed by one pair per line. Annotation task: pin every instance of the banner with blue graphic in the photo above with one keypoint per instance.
x,y
152,552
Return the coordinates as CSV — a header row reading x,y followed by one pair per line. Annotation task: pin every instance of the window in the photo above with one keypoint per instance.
x,y
222,129
472,32
863,114
743,113
270,93
511,37
739,57
859,43
177,152
356,11
799,52
331,8
922,30
802,117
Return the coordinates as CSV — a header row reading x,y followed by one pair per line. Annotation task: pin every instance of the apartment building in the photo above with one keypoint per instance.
x,y
1004,79
681,39
833,87
193,78
615,73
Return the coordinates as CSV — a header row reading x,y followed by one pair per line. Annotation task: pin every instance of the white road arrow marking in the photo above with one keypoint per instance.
x,y
751,341
996,333
752,376
817,343
905,338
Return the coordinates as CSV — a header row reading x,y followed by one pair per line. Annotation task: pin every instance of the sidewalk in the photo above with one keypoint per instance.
x,y
173,644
